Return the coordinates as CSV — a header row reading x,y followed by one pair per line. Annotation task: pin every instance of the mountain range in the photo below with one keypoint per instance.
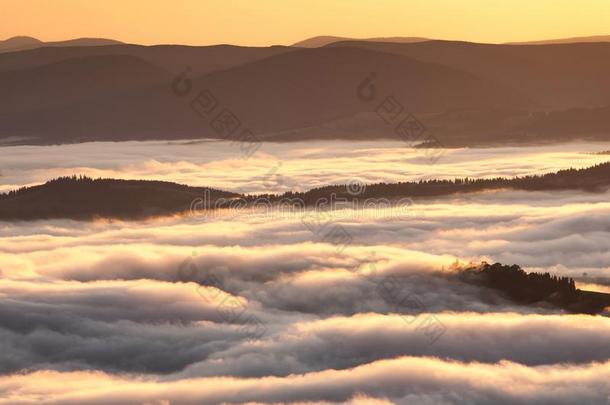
x,y
594,38
464,93
322,40
21,43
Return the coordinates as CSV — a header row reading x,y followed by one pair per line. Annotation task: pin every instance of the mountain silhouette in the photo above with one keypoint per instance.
x,y
466,94
85,198
291,89
323,40
594,38
24,42
552,76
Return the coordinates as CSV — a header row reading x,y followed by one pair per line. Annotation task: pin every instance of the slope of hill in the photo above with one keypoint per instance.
x,y
174,58
553,76
591,179
312,86
489,127
83,42
595,38
294,89
322,40
466,94
85,198
536,288
86,93
22,43
19,43
70,81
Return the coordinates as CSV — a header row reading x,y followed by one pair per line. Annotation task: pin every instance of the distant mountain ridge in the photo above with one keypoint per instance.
x,y
21,43
174,58
465,94
573,40
323,40
281,89
553,76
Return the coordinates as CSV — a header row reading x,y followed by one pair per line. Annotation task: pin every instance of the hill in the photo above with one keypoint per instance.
x,y
536,288
23,42
290,89
19,43
312,86
591,179
465,94
71,81
492,127
85,198
174,58
553,77
323,40
595,38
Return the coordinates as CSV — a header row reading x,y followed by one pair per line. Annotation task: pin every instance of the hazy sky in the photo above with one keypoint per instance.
x,y
266,22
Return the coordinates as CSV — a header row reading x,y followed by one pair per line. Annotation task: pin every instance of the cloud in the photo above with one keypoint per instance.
x,y
401,380
345,342
279,166
144,326
128,312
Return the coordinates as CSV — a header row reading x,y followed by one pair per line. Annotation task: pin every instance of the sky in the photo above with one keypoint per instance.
x,y
268,22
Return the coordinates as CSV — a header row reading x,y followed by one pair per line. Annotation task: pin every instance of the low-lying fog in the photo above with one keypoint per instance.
x,y
281,166
250,308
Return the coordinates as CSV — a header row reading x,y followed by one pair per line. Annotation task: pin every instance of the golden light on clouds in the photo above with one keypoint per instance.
x,y
354,269
267,22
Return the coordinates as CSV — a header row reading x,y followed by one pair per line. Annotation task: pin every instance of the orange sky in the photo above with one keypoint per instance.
x,y
265,22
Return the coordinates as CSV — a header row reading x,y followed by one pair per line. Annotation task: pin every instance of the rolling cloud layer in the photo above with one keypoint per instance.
x,y
244,308
277,167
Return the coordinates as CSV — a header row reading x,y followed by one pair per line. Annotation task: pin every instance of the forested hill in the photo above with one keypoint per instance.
x,y
591,179
86,198
532,288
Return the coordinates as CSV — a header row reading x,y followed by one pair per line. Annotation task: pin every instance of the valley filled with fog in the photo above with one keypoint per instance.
x,y
315,307
278,167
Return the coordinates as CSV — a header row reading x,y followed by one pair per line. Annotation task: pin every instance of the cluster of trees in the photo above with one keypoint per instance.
x,y
529,287
593,178
64,180
81,197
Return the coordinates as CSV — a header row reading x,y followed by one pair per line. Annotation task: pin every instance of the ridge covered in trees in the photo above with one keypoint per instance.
x,y
81,197
530,288
592,179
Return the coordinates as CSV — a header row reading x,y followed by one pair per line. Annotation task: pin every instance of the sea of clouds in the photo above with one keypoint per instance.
x,y
245,308
276,167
